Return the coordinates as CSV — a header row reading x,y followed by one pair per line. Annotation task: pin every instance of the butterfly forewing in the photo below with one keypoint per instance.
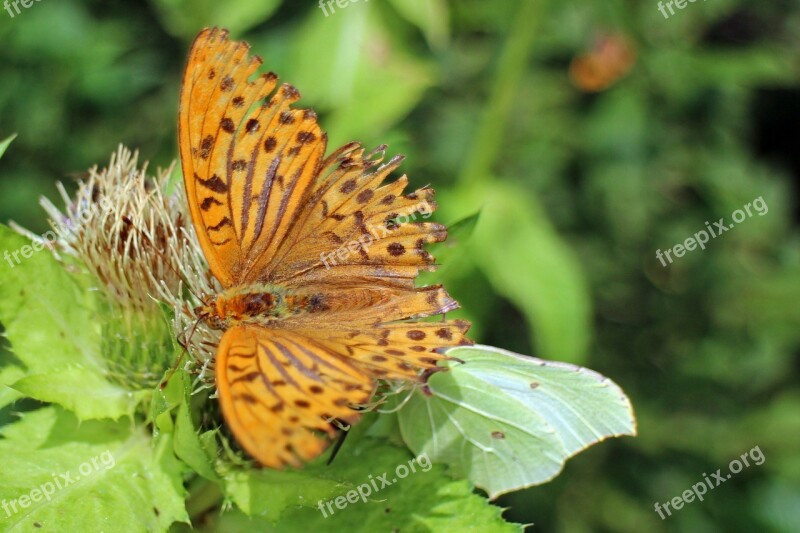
x,y
356,221
248,158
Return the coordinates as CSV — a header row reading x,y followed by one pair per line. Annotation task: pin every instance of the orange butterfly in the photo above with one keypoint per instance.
x,y
611,58
308,332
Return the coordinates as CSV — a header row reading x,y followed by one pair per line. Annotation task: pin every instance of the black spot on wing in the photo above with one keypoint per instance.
x,y
222,223
208,202
214,183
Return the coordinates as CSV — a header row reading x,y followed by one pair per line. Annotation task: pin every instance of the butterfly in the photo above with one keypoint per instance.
x,y
317,257
610,59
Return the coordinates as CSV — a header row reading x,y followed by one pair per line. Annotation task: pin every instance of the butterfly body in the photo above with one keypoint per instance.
x,y
257,304
316,255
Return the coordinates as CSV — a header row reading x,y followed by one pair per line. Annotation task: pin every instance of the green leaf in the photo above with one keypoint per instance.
x,y
424,499
185,18
350,61
430,16
527,262
171,415
507,421
290,500
83,391
60,474
268,493
46,314
188,444
53,332
8,375
6,142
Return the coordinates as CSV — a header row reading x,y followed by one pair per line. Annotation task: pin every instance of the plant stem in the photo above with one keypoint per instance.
x,y
204,495
488,138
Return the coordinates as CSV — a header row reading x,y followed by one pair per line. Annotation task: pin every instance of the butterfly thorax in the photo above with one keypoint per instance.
x,y
260,304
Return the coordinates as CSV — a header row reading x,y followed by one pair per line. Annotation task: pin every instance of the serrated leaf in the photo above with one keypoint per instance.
x,y
51,327
507,421
171,415
165,400
46,315
188,445
8,375
290,500
97,476
84,392
424,499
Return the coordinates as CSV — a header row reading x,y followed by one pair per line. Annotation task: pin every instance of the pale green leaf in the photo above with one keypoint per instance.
x,y
52,327
59,474
46,314
507,421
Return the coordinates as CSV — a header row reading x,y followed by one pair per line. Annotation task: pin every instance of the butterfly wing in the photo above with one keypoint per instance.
x,y
361,246
249,160
356,227
379,329
266,206
392,351
277,390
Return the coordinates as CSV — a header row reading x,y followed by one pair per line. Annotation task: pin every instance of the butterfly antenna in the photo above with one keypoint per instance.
x,y
184,345
399,405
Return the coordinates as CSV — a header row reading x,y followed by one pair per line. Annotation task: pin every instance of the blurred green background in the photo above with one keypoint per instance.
x,y
576,189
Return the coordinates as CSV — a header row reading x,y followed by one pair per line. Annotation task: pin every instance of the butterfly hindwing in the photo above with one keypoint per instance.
x,y
394,351
278,389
